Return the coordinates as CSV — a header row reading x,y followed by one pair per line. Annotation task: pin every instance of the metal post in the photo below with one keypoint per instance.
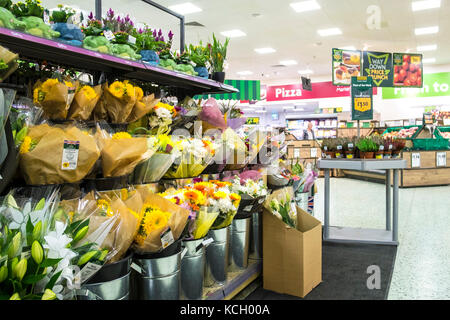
x,y
182,35
395,207
388,200
98,9
359,130
327,204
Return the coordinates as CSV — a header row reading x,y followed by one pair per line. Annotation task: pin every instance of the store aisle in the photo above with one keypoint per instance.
x,y
422,268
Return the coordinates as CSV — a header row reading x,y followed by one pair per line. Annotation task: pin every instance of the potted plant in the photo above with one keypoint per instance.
x,y
218,54
7,19
70,33
200,56
350,148
184,65
146,45
388,147
94,37
367,148
340,151
31,13
379,153
329,148
399,145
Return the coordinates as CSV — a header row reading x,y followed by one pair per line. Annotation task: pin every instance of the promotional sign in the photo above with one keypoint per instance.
x,y
434,85
379,66
362,98
408,70
252,121
346,64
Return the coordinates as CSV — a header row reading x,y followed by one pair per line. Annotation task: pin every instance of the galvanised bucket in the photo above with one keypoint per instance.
x,y
193,269
240,243
118,289
217,257
256,250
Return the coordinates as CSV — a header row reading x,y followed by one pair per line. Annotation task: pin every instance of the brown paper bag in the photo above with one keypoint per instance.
x,y
57,100
177,223
81,108
141,108
43,165
99,112
120,157
118,110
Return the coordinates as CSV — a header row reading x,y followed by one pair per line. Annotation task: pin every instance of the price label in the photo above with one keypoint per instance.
x,y
167,238
248,208
87,272
441,159
136,268
391,147
70,155
296,153
185,250
313,153
350,145
109,35
363,104
415,160
339,147
46,18
207,242
131,39
381,148
325,148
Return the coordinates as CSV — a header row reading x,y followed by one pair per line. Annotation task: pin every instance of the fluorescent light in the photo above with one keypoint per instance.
x,y
289,108
429,60
428,30
244,73
233,33
307,71
288,62
265,50
425,5
430,47
304,6
248,110
185,8
352,48
299,109
329,32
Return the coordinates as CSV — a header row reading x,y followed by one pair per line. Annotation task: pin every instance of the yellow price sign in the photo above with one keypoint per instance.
x,y
363,104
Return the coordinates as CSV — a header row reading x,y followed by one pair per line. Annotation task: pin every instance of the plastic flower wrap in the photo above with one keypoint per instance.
x,y
153,169
8,63
158,214
227,203
117,102
55,97
73,154
160,118
121,152
84,102
212,116
249,188
281,204
254,142
193,156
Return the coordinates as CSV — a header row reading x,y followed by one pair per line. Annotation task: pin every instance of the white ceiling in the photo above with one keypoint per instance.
x,y
293,35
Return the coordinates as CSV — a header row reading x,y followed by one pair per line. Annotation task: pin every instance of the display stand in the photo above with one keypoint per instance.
x,y
353,235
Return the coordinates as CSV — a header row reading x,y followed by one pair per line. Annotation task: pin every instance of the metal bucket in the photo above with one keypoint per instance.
x,y
256,250
118,289
217,257
160,278
193,270
240,242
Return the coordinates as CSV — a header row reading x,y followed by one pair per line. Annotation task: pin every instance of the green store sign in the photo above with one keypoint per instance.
x,y
435,85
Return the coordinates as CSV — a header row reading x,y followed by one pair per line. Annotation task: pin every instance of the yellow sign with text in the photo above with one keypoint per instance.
x,y
363,104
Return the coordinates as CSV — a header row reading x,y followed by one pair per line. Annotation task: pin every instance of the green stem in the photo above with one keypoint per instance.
x,y
32,286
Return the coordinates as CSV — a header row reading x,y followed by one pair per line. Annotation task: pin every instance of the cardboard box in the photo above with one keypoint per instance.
x,y
292,258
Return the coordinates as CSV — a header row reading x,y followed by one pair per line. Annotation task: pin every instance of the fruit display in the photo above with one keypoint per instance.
x,y
401,134
407,70
445,135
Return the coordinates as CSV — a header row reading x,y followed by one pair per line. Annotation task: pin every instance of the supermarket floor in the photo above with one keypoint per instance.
x,y
422,268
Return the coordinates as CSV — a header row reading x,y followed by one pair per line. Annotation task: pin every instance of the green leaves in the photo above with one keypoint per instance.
x,y
53,280
49,262
33,278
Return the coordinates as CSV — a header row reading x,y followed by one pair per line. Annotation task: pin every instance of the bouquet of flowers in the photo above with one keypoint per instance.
x,y
159,216
143,105
74,153
192,157
8,63
121,152
224,201
84,102
153,169
160,118
55,97
211,116
281,205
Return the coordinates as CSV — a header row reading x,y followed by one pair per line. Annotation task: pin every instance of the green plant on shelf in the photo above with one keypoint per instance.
x,y
6,4
29,8
200,55
367,145
218,54
329,145
399,145
62,15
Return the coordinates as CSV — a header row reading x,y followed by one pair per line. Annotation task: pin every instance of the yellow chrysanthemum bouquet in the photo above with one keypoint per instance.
x,y
57,154
55,96
161,117
121,152
84,102
159,216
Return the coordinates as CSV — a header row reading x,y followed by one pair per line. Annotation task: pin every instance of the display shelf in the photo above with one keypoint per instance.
x,y
40,48
237,281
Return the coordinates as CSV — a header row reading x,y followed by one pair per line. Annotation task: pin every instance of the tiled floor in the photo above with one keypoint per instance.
x,y
422,268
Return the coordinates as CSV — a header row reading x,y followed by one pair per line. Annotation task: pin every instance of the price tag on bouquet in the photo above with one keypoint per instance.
x,y
167,238
87,272
109,35
131,39
70,155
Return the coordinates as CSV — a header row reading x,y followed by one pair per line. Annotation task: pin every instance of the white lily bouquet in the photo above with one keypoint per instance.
x,y
280,203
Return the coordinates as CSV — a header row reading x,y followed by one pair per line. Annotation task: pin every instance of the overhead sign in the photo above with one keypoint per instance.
x,y
434,85
320,90
378,65
408,70
362,98
346,64
252,121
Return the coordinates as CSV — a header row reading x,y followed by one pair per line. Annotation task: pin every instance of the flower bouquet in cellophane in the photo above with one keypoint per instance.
x,y
253,192
158,214
193,156
84,102
225,202
55,96
153,169
280,204
8,63
121,152
143,105
73,154
161,117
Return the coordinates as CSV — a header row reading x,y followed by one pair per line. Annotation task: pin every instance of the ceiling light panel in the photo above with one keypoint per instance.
x,y
265,50
288,62
244,73
427,30
304,6
307,71
429,60
430,47
425,5
329,32
185,8
233,33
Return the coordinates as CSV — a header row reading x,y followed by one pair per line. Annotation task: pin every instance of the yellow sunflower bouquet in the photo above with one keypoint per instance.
x,y
84,102
55,97
57,154
120,98
158,216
